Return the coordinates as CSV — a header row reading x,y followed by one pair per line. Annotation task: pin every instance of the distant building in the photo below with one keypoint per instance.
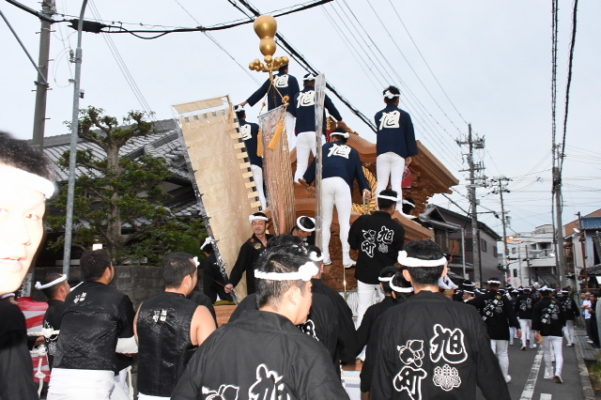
x,y
453,232
582,238
531,257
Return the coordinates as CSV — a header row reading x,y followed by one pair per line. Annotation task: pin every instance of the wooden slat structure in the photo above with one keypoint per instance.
x,y
222,176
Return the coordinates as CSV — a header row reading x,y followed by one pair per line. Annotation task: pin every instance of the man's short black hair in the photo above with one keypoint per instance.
x,y
51,291
283,69
385,204
241,115
387,272
425,250
306,222
279,258
176,266
393,90
19,154
93,263
341,139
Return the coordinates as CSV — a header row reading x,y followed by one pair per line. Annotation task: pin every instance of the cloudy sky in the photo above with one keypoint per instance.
x,y
487,63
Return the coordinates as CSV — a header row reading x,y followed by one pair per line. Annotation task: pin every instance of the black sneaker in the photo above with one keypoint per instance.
x,y
557,379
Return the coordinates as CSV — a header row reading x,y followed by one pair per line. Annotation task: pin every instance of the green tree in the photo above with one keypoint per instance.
x,y
118,199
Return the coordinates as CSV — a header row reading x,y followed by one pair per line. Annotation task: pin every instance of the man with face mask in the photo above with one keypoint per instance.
x,y
25,179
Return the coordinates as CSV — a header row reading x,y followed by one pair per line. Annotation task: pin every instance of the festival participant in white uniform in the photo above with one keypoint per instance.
x,y
548,321
395,144
284,85
378,238
430,347
168,326
262,354
249,132
498,314
249,253
570,311
97,324
25,185
341,165
523,307
305,123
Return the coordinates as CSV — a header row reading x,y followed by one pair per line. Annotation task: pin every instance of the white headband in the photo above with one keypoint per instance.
x,y
384,278
39,286
305,272
314,257
407,261
302,228
383,196
252,218
17,176
238,108
446,283
343,134
309,77
209,240
76,286
389,95
195,260
399,289
493,282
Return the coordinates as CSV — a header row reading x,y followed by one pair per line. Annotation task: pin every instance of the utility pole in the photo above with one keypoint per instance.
x,y
561,251
39,118
475,180
501,188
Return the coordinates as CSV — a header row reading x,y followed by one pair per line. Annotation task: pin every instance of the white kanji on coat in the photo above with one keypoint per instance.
x,y
390,120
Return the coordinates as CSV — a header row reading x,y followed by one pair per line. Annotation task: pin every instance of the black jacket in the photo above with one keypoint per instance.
x,y
95,316
548,317
497,312
247,258
379,239
524,306
261,355
286,85
430,347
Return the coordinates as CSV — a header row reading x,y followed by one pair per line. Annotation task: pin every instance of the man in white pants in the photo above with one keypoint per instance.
x,y
283,86
498,315
378,239
523,307
340,167
570,311
548,321
249,132
395,144
305,124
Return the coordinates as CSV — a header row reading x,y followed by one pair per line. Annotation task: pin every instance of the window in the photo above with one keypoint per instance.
x,y
513,250
515,273
495,252
483,245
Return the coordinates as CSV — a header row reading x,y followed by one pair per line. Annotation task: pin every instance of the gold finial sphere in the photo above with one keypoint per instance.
x,y
267,46
268,59
265,26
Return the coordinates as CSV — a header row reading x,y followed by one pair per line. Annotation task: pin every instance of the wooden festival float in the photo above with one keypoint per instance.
x,y
227,194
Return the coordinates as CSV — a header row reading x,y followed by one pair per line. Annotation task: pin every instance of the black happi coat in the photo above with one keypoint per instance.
x,y
569,308
524,306
95,316
379,239
430,347
369,320
247,258
52,320
213,280
163,338
497,313
261,355
249,133
305,111
283,85
321,324
548,317
347,335
16,370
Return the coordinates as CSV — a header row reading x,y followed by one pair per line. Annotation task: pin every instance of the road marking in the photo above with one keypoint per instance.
x,y
528,391
545,396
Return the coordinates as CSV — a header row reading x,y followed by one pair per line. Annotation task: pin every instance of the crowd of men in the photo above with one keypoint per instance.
x,y
289,337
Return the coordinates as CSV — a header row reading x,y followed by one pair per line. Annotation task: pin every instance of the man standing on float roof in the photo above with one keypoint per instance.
x,y
284,84
341,165
305,123
395,144
249,133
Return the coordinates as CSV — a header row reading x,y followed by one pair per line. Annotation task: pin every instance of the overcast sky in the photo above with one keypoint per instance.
x,y
492,58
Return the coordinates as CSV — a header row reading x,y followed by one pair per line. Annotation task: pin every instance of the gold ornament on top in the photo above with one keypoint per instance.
x,y
266,27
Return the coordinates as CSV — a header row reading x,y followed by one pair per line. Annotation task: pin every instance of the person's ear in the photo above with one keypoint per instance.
x,y
407,276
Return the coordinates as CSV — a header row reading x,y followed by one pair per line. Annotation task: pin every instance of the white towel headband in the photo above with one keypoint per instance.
x,y
17,176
